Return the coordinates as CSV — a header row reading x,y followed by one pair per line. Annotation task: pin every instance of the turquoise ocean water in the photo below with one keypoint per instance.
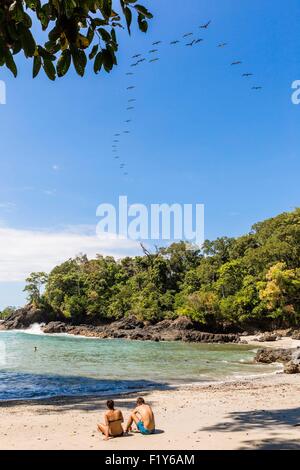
x,y
69,366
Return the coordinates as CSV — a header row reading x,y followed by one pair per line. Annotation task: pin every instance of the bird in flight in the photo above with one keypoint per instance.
x,y
131,101
237,62
117,135
140,61
154,60
130,87
126,132
174,42
125,174
187,35
129,108
136,56
257,88
222,44
191,43
153,51
116,157
116,141
135,64
199,40
206,25
129,73
128,120
156,43
247,74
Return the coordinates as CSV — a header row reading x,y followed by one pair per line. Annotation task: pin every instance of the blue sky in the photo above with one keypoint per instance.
x,y
199,133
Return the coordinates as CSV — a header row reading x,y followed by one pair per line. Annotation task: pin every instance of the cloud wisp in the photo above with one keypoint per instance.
x,y
25,251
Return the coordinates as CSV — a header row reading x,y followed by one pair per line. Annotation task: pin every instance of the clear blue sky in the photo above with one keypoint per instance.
x,y
199,133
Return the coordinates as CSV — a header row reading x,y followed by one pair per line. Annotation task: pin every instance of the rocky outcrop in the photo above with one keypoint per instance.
x,y
268,356
292,368
26,316
267,337
289,357
181,329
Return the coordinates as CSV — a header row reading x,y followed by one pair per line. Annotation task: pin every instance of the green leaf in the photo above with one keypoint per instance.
x,y
63,63
93,51
37,63
143,11
10,63
49,69
79,61
128,17
28,43
98,62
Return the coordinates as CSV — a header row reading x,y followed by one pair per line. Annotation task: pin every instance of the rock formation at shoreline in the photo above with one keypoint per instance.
x,y
290,358
180,329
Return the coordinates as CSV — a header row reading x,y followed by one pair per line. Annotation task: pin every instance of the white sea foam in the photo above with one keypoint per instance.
x,y
34,329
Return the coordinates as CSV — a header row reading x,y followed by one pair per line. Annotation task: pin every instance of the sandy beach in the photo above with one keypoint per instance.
x,y
258,413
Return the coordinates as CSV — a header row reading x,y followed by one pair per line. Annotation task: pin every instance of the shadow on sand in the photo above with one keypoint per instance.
x,y
124,392
263,420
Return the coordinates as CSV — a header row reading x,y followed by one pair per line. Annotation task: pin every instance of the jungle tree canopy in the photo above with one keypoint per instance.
x,y
76,31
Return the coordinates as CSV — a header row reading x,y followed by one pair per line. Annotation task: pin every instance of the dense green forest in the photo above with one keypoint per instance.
x,y
254,279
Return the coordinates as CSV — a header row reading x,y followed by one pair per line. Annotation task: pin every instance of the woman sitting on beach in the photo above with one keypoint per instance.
x,y
113,420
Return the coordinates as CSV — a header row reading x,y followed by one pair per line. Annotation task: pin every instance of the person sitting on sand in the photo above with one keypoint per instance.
x,y
143,417
113,420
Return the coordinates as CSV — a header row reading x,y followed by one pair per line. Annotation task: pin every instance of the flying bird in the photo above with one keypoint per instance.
x,y
156,43
140,61
129,73
126,132
131,100
257,88
206,25
136,56
247,74
174,42
199,40
116,157
129,108
134,65
187,35
152,51
128,120
116,141
237,62
130,87
222,44
117,135
191,43
125,174
154,60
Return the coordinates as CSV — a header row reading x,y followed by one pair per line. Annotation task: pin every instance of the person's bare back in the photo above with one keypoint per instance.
x,y
146,414
143,417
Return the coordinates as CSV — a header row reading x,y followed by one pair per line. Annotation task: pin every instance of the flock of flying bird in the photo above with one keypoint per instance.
x,y
139,59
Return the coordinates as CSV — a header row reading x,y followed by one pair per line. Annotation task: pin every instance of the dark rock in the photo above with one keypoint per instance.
x,y
55,327
296,335
182,323
26,316
128,323
267,337
291,368
267,356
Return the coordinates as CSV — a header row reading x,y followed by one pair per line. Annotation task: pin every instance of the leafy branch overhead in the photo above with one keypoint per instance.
x,y
76,31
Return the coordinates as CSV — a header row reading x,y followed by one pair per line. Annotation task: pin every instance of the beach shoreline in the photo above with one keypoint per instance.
x,y
246,414
250,413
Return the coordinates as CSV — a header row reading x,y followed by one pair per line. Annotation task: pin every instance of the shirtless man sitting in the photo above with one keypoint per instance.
x,y
143,417
113,420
